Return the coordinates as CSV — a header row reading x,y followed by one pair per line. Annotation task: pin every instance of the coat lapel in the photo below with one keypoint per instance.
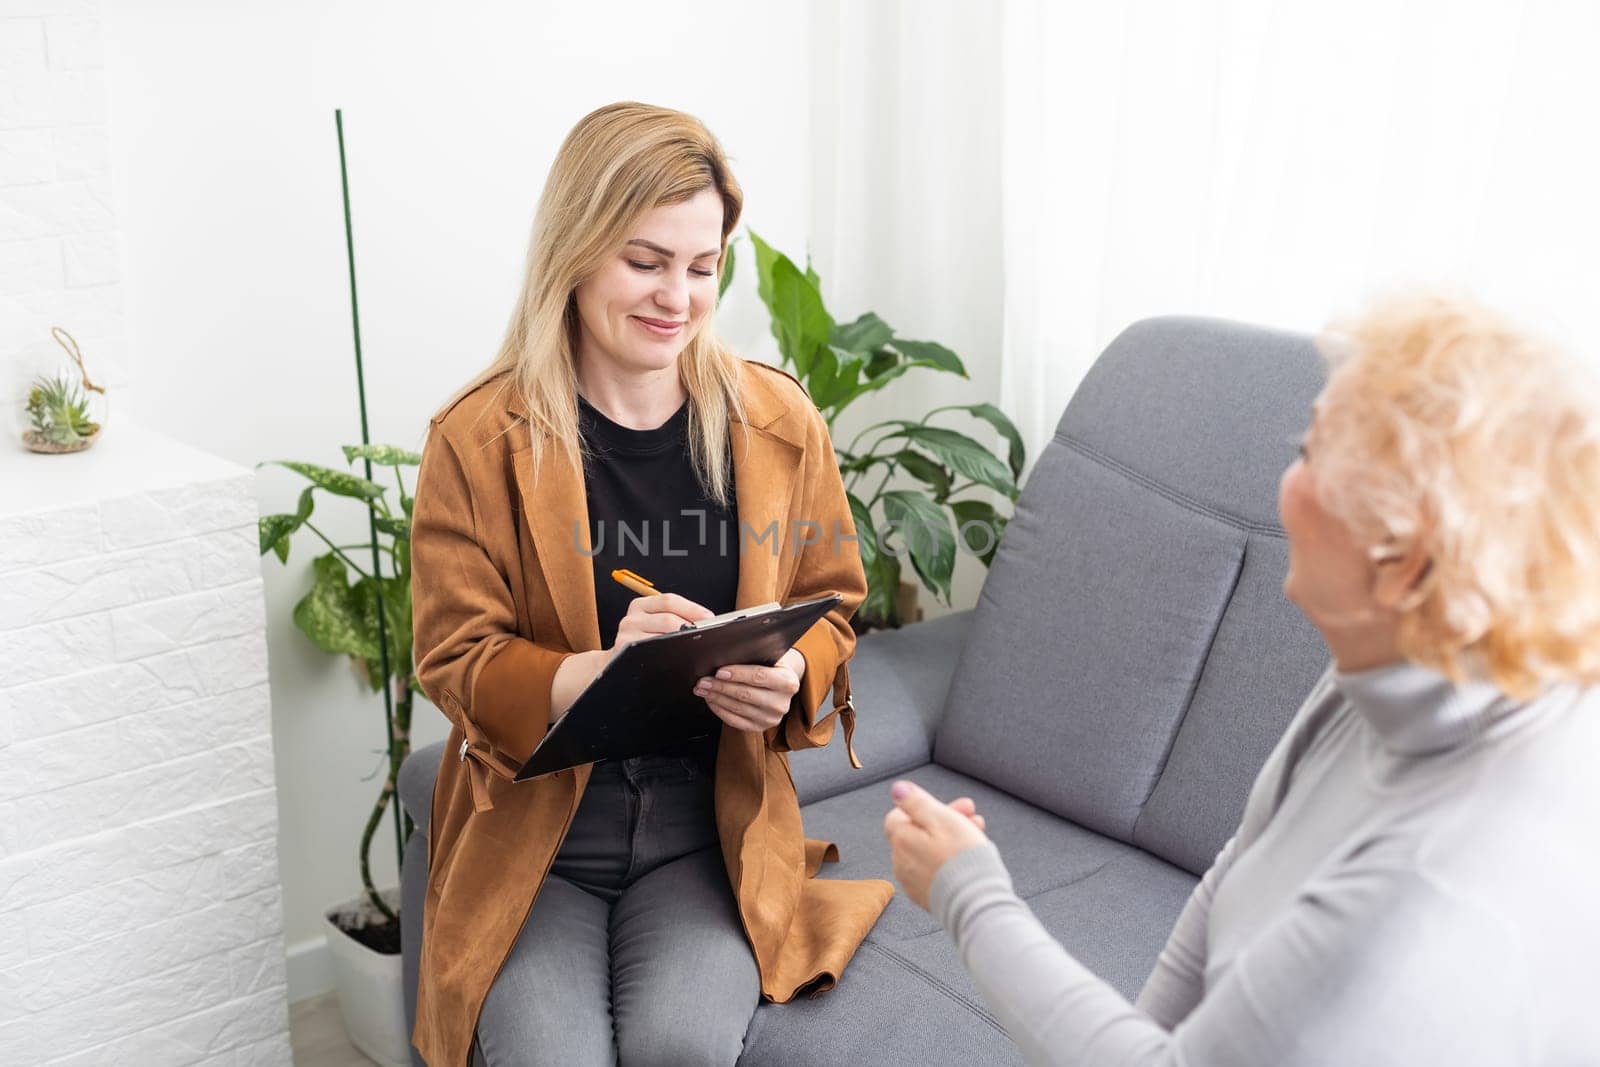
x,y
764,471
553,500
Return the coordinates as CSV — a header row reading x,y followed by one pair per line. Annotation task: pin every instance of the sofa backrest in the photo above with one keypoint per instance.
x,y
1132,658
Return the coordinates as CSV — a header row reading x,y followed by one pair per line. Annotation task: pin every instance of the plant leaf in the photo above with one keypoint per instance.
x,y
859,463
933,354
926,531
926,471
866,334
1017,456
337,616
274,530
336,482
395,527
799,321
397,616
881,361
883,581
841,384
866,531
727,272
978,540
387,455
963,454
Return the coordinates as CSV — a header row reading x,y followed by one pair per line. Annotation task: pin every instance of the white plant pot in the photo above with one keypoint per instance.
x,y
371,988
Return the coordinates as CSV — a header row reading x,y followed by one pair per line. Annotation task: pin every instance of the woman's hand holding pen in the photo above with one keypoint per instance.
x,y
748,697
658,613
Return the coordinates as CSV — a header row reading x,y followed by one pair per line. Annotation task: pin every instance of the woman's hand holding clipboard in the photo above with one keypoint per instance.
x,y
750,697
659,690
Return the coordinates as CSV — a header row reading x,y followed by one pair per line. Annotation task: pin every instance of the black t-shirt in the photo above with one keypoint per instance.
x,y
649,514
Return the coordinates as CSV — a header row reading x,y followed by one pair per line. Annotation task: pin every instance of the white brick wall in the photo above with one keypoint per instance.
x,y
60,248
141,915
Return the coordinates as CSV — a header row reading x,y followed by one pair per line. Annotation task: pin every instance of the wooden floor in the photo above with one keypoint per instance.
x,y
317,1034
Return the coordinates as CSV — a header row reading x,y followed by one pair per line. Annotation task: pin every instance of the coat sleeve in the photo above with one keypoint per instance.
x,y
832,564
492,683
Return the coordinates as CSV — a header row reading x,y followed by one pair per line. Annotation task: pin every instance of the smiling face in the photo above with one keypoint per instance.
x,y
1353,591
644,304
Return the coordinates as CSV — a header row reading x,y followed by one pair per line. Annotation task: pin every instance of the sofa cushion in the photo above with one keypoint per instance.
x,y
881,1011
905,996
1263,663
898,680
1208,408
1210,411
1087,641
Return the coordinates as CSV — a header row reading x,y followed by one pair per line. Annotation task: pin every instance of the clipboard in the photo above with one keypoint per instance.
x,y
644,699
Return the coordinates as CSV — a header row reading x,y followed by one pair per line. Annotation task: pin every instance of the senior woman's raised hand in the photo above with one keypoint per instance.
x,y
923,833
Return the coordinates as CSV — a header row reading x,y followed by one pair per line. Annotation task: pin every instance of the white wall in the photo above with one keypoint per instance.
x,y
1278,162
140,909
60,251
228,188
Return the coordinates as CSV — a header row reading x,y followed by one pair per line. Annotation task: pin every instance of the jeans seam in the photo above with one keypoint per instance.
x,y
640,824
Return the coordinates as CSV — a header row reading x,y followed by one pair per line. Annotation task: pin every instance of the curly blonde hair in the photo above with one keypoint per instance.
x,y
1444,427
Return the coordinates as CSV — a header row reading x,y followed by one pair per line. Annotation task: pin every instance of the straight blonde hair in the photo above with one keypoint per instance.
x,y
618,163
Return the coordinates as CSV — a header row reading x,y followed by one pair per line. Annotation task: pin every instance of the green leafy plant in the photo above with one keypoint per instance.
x,y
367,618
840,363
59,410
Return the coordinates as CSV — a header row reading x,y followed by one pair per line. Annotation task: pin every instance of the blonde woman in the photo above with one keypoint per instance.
x,y
635,909
1415,878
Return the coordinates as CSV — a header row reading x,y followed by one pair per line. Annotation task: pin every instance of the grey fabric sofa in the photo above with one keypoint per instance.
x,y
1130,662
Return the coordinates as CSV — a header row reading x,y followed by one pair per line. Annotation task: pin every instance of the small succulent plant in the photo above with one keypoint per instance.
x,y
59,410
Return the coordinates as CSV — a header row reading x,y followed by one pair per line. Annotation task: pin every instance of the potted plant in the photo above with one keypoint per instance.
x,y
62,417
364,613
839,363
369,620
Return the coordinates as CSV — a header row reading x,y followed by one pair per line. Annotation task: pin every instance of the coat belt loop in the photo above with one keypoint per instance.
x,y
845,705
477,776
471,752
848,714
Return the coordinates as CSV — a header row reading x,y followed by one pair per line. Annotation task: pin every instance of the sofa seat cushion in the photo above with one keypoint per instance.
x,y
905,996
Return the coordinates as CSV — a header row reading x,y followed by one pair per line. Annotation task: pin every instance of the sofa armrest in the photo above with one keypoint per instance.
x,y
898,680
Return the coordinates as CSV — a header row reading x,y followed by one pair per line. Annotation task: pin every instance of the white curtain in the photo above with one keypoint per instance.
x,y
1280,161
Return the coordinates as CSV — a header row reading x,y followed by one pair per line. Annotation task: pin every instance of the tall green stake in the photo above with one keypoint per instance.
x,y
372,519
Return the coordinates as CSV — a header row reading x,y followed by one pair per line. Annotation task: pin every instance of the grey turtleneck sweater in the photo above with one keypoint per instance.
x,y
1415,880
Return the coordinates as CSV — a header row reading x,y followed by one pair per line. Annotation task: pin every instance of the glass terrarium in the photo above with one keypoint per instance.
x,y
62,409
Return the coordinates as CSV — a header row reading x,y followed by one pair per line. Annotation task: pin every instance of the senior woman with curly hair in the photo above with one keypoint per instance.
x,y
1416,877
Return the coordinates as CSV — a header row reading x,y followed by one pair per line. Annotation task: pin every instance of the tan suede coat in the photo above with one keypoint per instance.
x,y
501,595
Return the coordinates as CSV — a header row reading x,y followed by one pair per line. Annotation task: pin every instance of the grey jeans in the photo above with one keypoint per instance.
x,y
634,951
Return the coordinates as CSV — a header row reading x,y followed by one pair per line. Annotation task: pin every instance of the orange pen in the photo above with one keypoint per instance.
x,y
635,582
